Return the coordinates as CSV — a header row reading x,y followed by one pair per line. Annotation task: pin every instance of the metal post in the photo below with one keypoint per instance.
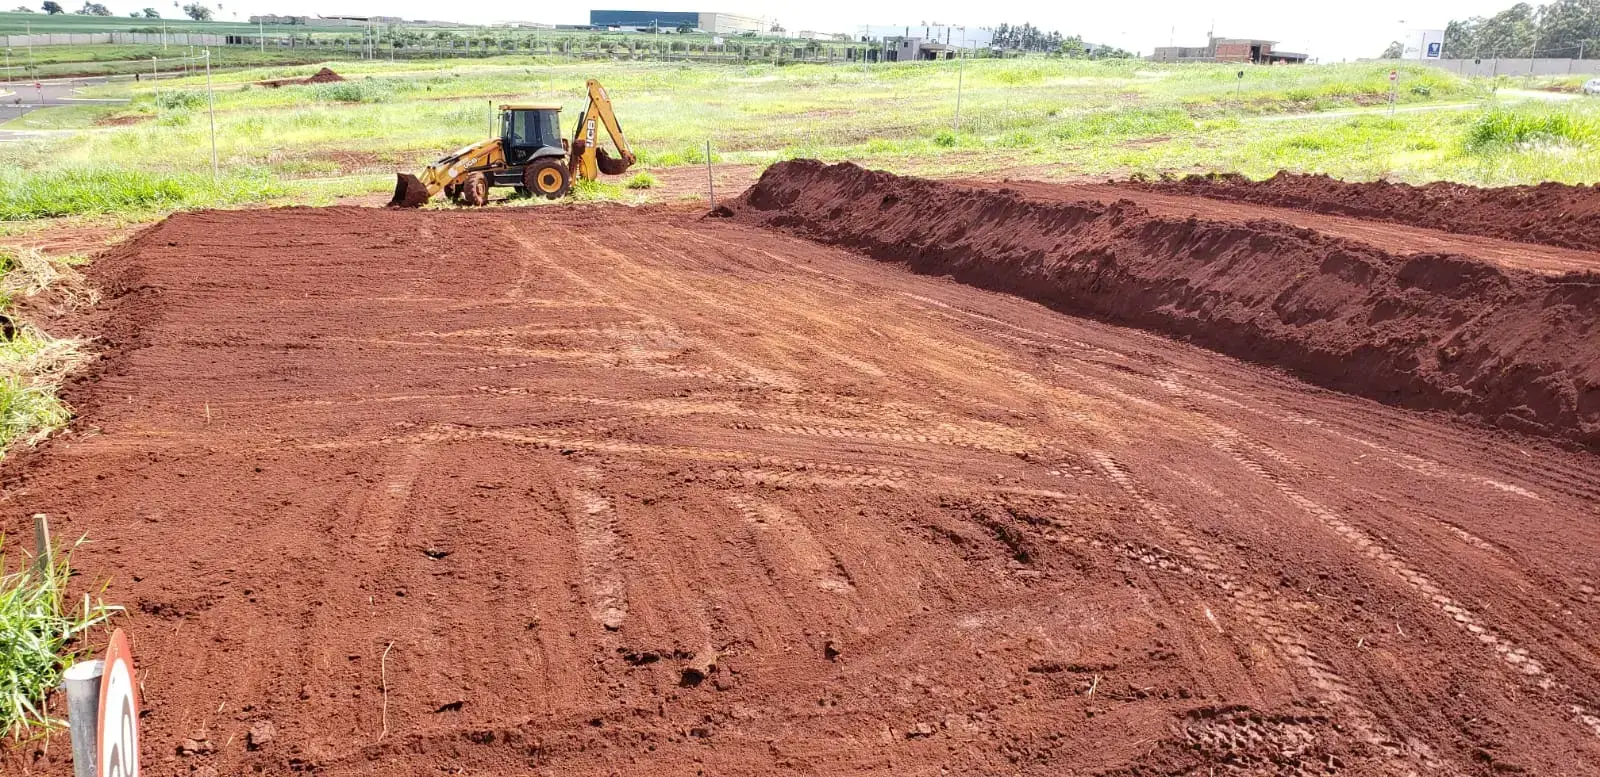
x,y
82,684
961,66
211,101
261,33
155,77
711,182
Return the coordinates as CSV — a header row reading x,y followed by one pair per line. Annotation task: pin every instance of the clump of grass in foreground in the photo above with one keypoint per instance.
x,y
34,364
642,181
75,191
36,628
597,191
1502,127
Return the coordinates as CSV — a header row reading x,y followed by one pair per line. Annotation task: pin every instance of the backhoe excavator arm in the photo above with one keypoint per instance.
x,y
588,159
411,191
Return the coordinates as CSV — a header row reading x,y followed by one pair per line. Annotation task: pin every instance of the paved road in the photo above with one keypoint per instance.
x,y
1501,94
25,96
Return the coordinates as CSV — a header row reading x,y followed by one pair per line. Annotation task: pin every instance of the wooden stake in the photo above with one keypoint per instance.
x,y
43,564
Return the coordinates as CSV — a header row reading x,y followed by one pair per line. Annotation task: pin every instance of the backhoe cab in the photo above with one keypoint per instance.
x,y
529,156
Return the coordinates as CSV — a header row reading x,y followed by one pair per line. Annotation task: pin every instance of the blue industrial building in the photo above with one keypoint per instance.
x,y
712,22
667,20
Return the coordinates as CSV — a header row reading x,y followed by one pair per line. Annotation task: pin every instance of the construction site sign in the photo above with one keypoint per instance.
x,y
118,739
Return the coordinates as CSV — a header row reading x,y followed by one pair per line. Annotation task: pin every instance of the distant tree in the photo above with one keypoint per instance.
x,y
93,9
1396,50
22,9
52,7
151,13
1568,28
197,12
685,27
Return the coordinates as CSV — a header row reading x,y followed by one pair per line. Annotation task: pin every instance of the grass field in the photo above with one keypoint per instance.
x,y
120,59
308,143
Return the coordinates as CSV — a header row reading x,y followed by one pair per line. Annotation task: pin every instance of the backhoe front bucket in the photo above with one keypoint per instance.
x,y
409,192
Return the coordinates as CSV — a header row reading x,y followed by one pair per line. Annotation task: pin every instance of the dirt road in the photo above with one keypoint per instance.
x,y
599,490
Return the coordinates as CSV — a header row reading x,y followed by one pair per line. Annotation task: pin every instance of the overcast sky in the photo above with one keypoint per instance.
x,y
1328,31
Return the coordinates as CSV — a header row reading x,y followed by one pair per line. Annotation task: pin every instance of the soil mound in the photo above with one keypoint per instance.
x,y
323,76
1427,331
1550,213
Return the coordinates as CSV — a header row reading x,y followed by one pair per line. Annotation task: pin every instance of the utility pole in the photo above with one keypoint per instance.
x,y
1534,52
961,66
211,101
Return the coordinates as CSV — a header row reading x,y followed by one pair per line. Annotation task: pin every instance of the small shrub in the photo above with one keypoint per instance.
x,y
172,100
945,139
642,181
367,90
1504,127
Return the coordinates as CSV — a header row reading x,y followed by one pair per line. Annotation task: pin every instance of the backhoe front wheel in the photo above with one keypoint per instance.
x,y
547,178
475,190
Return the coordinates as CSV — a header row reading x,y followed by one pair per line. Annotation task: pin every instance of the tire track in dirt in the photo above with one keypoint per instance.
x,y
1515,656
594,522
1255,606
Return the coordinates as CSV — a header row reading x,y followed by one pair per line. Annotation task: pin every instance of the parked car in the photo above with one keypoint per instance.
x,y
1591,86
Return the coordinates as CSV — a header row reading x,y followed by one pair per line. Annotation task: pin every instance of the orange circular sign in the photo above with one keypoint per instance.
x,y
118,740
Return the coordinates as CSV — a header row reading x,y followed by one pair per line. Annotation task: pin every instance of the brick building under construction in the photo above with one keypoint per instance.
x,y
1229,50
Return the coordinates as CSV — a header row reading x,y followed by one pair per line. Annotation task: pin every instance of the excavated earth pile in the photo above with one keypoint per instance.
x,y
1551,213
1435,331
323,76
501,492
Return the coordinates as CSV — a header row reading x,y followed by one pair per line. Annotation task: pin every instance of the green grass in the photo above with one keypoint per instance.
x,y
300,143
32,363
1501,128
38,628
78,191
642,181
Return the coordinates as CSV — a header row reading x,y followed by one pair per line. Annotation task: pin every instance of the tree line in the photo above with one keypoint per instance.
x,y
1561,29
1026,37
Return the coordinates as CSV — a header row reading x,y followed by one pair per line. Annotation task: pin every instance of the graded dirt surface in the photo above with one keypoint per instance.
x,y
1549,213
599,490
1400,238
1439,330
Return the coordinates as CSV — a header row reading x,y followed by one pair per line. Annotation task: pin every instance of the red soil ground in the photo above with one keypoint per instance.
x,y
1428,330
506,493
1550,213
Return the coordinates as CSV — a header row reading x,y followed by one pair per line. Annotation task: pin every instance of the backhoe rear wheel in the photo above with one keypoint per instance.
x,y
475,190
547,178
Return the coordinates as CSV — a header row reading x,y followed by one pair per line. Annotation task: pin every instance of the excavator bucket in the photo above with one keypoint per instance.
x,y
608,164
409,192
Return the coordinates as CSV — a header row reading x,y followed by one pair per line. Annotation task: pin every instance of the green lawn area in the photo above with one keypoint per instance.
x,y
1051,115
119,59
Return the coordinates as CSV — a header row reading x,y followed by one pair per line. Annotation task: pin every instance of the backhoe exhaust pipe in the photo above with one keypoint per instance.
x,y
409,192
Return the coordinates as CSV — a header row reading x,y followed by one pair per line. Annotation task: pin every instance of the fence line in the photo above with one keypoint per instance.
x,y
1517,67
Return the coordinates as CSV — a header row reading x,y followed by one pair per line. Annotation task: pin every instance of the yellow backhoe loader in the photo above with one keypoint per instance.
x,y
529,155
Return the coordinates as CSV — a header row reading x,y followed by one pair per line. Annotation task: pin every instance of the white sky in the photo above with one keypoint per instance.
x,y
1328,31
